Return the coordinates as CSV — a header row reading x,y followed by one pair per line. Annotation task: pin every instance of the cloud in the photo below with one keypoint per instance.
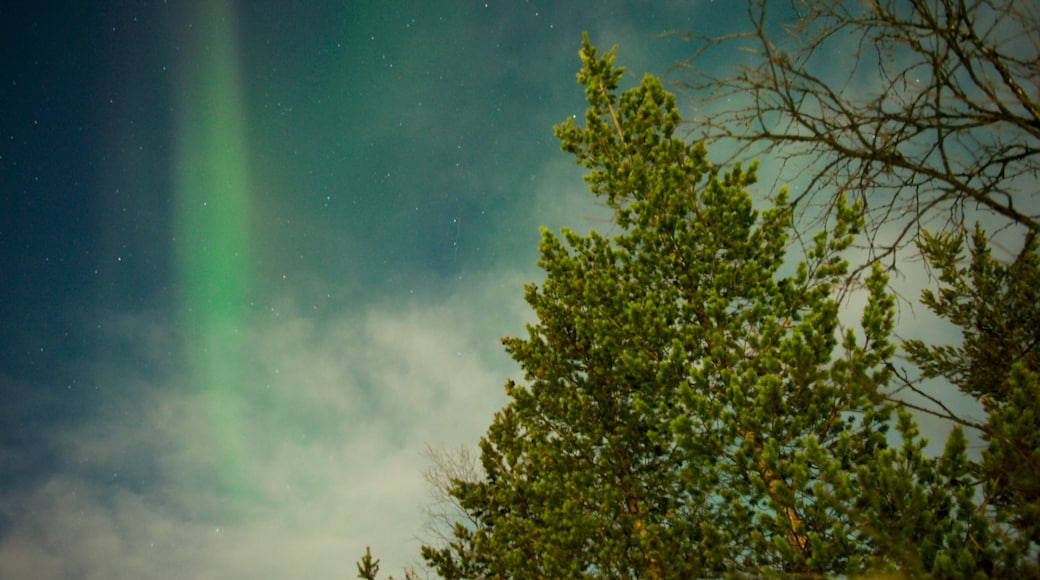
x,y
318,454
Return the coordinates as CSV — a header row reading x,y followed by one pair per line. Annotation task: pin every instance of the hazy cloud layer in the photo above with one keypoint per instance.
x,y
327,435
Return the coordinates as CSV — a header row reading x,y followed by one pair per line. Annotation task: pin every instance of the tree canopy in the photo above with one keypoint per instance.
x,y
693,407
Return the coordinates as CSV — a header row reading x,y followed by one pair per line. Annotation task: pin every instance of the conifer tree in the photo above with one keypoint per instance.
x,y
368,567
691,407
997,308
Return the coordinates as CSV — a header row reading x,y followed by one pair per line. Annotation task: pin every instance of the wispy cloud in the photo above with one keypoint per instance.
x,y
332,421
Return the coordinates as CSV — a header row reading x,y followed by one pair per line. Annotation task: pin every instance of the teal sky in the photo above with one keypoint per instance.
x,y
258,257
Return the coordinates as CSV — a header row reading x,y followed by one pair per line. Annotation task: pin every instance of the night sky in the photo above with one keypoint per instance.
x,y
254,258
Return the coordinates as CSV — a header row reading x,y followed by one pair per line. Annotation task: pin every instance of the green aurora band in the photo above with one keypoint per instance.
x,y
212,189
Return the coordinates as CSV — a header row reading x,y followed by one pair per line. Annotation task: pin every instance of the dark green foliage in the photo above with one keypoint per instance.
x,y
689,409
367,567
997,308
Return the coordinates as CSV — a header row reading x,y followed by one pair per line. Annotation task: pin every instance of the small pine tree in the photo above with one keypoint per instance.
x,y
368,567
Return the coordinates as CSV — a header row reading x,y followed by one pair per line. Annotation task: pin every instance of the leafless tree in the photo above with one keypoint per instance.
x,y
446,469
928,110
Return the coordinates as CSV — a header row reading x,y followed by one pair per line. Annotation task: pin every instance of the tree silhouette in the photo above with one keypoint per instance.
x,y
928,111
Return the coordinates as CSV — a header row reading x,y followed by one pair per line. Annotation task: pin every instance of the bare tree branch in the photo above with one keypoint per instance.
x,y
927,110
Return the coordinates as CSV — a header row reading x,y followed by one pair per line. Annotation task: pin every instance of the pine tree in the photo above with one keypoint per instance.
x,y
997,308
368,568
692,408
